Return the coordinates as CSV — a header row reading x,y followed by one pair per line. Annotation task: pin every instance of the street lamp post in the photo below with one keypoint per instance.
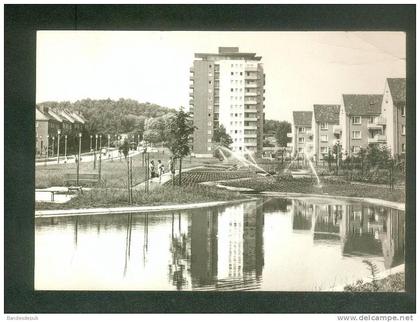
x,y
53,147
100,142
109,137
78,159
65,147
94,151
40,146
58,145
48,145
91,143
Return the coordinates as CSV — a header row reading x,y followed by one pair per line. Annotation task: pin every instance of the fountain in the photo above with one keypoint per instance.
x,y
223,155
311,165
241,159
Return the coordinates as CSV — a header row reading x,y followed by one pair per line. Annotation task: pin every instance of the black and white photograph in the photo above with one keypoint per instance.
x,y
220,161
214,162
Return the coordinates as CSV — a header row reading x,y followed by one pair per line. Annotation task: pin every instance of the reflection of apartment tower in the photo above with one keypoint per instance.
x,y
204,247
302,136
302,216
361,122
227,89
393,112
240,242
230,242
326,128
253,257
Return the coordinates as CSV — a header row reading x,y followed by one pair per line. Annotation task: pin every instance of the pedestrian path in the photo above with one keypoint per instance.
x,y
157,182
87,157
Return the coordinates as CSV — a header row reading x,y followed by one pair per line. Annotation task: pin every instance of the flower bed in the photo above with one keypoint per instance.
x,y
196,176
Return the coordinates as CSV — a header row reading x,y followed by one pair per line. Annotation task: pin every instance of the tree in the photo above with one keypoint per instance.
x,y
377,155
221,137
125,147
270,126
283,128
152,136
267,143
181,129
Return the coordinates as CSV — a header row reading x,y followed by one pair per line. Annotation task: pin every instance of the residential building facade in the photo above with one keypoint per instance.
x,y
48,122
326,120
227,89
361,122
394,113
302,135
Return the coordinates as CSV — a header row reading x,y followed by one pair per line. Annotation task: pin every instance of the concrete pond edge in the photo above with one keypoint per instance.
x,y
133,209
378,202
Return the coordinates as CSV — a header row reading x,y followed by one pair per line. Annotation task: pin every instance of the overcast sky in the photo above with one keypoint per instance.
x,y
302,68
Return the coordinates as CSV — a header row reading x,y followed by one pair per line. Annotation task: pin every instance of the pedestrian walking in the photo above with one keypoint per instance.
x,y
152,169
161,169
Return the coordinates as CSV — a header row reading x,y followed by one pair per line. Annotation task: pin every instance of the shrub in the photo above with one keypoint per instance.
x,y
335,180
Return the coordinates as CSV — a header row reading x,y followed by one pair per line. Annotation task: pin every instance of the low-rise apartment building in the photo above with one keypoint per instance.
x,y
326,129
361,122
393,111
302,135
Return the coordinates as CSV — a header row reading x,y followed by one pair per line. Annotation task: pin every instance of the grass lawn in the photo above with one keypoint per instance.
x,y
160,196
113,173
392,283
329,186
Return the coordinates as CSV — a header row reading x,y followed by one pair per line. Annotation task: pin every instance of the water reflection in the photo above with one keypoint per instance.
x,y
363,230
269,244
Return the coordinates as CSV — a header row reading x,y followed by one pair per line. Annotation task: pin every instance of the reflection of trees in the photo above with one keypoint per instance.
x,y
127,242
302,217
276,204
180,256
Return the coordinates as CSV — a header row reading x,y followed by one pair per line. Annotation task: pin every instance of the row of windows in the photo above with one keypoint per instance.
x,y
300,150
357,120
302,140
303,129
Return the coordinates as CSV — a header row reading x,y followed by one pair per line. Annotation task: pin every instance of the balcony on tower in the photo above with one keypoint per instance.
x,y
376,123
378,138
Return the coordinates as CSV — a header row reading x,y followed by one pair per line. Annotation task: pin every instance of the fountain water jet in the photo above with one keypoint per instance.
x,y
241,159
311,165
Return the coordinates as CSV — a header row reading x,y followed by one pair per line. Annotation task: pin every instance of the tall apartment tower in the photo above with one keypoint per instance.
x,y
227,89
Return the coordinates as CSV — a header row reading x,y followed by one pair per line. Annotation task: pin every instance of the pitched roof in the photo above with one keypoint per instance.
x,y
55,116
397,88
362,104
302,118
39,116
67,116
77,117
327,113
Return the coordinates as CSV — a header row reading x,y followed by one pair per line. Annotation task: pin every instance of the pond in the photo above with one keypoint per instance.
x,y
270,244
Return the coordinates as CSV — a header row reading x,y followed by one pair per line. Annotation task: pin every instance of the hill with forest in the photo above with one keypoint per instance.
x,y
112,117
